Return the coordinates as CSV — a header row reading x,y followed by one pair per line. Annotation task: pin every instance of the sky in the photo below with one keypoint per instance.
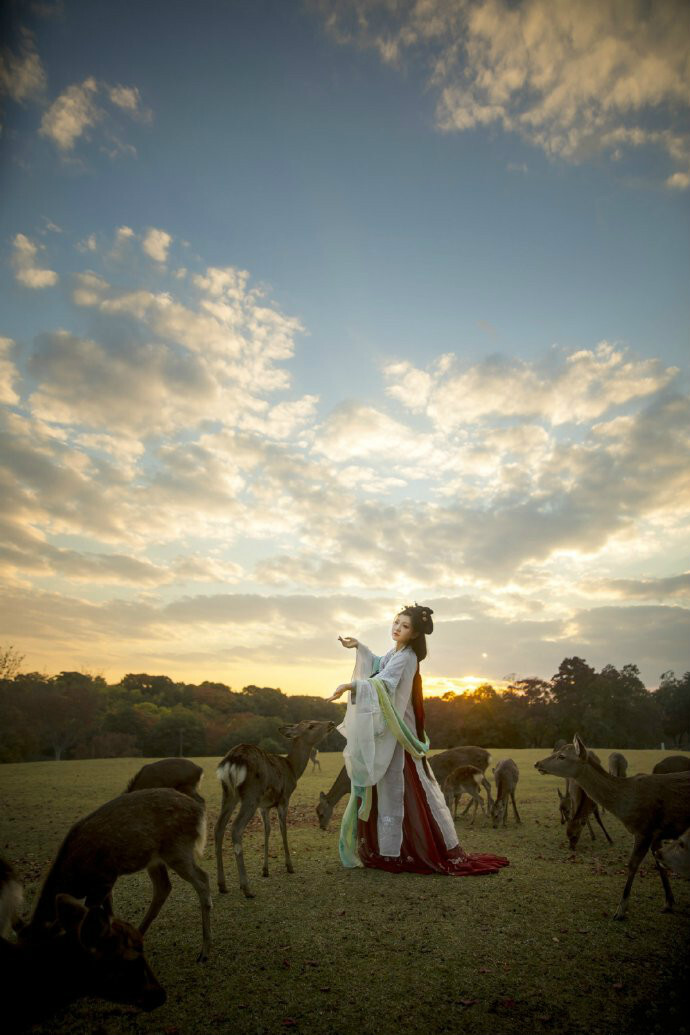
x,y
309,310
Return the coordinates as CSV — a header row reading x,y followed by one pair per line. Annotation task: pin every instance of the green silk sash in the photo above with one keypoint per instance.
x,y
347,845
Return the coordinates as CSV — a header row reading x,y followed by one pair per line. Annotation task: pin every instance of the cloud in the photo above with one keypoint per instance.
x,y
22,76
83,106
71,114
571,78
578,387
156,244
27,272
8,373
641,589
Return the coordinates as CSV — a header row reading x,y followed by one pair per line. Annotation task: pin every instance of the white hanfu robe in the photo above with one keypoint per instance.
x,y
374,757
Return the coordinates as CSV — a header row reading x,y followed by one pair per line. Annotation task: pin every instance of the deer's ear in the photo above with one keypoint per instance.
x,y
287,731
95,928
69,912
322,796
579,746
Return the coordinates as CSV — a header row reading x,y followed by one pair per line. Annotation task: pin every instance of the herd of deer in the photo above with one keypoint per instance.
x,y
73,946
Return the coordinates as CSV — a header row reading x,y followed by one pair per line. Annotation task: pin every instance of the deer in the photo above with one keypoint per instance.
x,y
676,855
314,759
465,779
672,764
262,780
445,761
11,898
181,774
576,807
618,764
149,829
83,952
650,807
327,802
506,775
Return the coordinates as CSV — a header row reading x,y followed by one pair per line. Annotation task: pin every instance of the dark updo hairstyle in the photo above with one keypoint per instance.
x,y
422,626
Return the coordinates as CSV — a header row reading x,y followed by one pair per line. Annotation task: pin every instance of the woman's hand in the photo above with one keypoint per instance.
x,y
348,641
342,689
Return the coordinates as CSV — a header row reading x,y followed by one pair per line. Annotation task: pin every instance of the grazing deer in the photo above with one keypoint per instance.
x,y
445,761
149,829
465,779
179,773
314,759
676,855
11,898
672,764
576,807
506,775
83,952
651,807
618,764
327,802
261,780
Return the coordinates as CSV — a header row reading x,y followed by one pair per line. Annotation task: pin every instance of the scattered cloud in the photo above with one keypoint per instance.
x,y
71,114
26,272
577,387
83,106
571,78
22,76
156,244
165,449
8,373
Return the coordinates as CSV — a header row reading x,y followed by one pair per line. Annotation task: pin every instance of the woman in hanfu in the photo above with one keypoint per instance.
x,y
397,818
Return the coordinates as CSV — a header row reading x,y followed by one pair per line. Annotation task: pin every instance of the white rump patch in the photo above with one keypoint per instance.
x,y
477,777
202,830
231,774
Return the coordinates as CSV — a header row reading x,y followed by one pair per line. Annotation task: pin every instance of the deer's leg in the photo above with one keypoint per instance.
x,y
282,819
161,889
517,814
487,787
227,805
266,819
248,807
598,819
185,865
640,849
670,901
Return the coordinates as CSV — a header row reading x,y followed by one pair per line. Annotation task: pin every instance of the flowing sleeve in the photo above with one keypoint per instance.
x,y
370,744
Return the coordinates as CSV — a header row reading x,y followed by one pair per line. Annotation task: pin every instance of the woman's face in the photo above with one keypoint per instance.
x,y
402,631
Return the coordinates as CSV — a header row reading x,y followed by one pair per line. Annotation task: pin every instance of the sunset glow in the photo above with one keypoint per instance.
x,y
323,308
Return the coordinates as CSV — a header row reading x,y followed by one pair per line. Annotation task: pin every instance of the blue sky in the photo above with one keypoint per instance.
x,y
310,309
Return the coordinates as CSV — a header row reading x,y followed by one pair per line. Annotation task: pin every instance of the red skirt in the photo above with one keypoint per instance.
x,y
423,849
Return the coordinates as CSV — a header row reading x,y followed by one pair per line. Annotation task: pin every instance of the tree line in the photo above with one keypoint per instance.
x,y
77,715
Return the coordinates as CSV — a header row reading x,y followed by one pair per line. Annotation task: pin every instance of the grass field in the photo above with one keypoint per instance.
x,y
531,949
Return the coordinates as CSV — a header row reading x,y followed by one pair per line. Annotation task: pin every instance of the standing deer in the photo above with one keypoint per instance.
x,y
672,764
181,774
576,806
651,807
83,952
327,802
465,779
11,898
618,764
149,829
314,759
506,775
445,761
261,780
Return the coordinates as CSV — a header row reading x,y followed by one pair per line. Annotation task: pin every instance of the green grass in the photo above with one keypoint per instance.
x,y
531,949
